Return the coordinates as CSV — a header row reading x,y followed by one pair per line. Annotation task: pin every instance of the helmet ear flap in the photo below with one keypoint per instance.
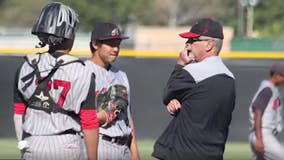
x,y
40,45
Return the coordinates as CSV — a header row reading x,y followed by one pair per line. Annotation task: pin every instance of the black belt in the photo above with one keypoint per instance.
x,y
118,140
69,131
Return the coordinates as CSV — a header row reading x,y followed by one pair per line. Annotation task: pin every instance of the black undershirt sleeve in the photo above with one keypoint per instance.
x,y
17,95
89,103
262,99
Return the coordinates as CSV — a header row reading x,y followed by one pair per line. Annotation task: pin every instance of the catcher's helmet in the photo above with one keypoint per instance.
x,y
55,22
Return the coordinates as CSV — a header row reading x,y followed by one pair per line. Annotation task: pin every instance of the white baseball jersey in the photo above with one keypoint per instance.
x,y
52,133
267,98
119,128
69,87
272,115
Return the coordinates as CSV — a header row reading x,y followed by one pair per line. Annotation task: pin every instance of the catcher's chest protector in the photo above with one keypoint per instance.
x,y
41,99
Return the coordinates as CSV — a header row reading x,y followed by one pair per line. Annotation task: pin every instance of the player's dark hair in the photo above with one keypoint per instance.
x,y
66,44
93,50
272,73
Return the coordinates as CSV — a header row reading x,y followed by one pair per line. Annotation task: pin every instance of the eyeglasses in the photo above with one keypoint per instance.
x,y
192,40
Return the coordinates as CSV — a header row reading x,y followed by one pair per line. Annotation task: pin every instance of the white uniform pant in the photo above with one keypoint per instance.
x,y
58,147
272,147
112,151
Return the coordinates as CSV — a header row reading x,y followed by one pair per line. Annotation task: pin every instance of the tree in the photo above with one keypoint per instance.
x,y
23,13
267,14
17,13
184,12
268,19
120,12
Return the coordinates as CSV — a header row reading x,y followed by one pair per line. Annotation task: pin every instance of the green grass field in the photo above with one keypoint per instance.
x,y
234,151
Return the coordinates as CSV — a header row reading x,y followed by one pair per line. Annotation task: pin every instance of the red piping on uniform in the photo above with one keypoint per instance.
x,y
275,104
19,108
89,119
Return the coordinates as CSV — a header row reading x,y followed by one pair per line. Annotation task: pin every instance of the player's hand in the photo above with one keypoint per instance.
x,y
173,106
259,147
185,56
24,146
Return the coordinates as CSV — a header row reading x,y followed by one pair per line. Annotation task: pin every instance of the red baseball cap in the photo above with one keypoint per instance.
x,y
205,27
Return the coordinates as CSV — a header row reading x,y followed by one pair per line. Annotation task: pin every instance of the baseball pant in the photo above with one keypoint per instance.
x,y
58,147
272,147
112,151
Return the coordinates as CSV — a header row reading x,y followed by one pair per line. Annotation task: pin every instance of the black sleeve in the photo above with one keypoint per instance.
x,y
17,95
262,99
89,103
179,82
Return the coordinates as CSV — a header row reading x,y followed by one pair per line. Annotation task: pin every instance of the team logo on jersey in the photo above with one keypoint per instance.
x,y
44,99
276,104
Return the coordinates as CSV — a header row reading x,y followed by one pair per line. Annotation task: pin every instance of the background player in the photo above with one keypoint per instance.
x,y
117,136
53,94
266,117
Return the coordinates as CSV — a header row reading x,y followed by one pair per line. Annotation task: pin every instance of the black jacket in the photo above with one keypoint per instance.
x,y
206,91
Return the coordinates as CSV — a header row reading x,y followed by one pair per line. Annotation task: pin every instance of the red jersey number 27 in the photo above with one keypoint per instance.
x,y
58,84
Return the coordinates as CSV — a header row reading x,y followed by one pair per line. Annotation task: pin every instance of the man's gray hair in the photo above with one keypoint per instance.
x,y
218,43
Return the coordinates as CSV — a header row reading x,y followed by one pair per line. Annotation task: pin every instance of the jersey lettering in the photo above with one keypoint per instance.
x,y
56,84
66,87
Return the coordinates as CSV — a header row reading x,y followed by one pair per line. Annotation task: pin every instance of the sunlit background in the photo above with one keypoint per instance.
x,y
254,38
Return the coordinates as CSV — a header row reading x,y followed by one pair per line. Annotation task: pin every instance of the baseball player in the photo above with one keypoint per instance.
x,y
117,136
266,117
53,94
